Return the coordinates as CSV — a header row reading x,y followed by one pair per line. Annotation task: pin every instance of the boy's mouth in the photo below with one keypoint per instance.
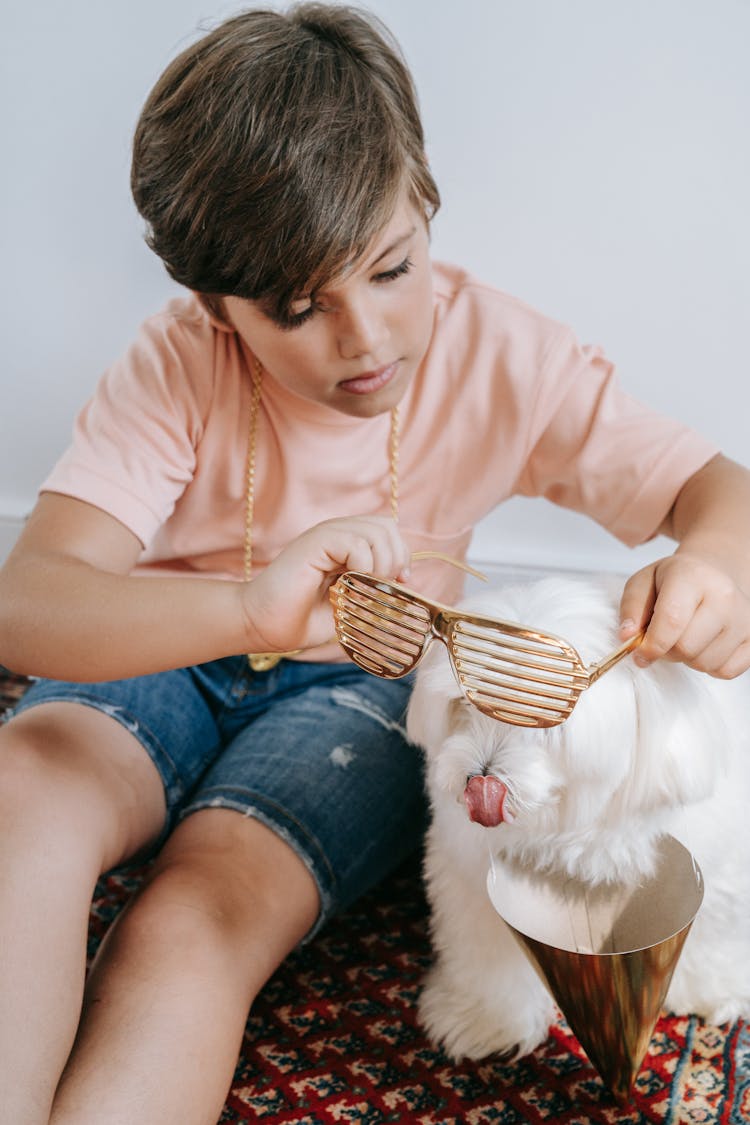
x,y
370,381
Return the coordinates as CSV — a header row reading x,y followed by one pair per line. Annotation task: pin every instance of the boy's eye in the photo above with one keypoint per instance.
x,y
300,307
298,313
397,271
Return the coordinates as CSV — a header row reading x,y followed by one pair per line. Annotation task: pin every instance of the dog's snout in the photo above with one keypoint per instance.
x,y
477,773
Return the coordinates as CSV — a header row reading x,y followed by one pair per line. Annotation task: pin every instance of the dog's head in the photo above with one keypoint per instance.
x,y
639,741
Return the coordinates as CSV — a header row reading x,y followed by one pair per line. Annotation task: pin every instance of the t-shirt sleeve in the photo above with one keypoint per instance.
x,y
134,443
599,451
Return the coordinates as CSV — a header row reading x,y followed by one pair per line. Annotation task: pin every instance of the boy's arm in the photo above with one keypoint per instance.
x,y
69,608
696,602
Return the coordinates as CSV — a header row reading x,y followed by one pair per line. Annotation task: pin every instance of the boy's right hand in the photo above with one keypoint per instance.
x,y
287,608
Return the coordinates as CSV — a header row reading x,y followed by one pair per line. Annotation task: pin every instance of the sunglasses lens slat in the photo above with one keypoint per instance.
x,y
535,672
373,644
390,623
514,693
522,716
378,628
373,660
378,595
365,626
535,652
541,694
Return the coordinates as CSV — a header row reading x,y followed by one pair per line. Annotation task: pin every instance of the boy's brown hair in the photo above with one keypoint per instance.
x,y
272,151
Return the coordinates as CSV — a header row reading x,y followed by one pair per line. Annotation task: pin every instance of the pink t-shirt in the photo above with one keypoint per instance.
x,y
506,401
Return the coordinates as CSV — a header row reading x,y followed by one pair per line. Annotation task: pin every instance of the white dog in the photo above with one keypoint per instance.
x,y
645,752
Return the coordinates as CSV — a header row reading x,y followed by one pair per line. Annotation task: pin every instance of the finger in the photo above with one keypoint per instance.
x,y
388,552
704,630
737,664
675,606
712,640
353,552
713,657
372,545
637,602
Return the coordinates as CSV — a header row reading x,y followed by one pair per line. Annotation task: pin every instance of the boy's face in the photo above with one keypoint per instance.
x,y
357,348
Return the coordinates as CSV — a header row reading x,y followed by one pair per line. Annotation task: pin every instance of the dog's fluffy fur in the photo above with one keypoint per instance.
x,y
645,752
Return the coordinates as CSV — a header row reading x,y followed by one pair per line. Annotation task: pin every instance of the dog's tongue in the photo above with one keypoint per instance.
x,y
484,797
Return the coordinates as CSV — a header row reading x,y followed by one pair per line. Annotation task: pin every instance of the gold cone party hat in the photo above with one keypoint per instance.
x,y
606,953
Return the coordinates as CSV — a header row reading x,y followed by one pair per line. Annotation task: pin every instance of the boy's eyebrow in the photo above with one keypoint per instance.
x,y
393,245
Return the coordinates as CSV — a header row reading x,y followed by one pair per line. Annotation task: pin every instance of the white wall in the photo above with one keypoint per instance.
x,y
594,159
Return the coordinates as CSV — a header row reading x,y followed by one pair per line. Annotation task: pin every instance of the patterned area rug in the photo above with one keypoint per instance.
x,y
333,1038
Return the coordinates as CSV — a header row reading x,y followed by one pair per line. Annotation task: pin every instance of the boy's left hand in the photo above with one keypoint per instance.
x,y
696,612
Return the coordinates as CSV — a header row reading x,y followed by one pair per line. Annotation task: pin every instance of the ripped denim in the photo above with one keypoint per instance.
x,y
317,752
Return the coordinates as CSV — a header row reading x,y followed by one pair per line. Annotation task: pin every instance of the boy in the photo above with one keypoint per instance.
x,y
324,398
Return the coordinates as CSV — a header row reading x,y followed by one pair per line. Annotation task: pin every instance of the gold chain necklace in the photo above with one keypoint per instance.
x,y
264,661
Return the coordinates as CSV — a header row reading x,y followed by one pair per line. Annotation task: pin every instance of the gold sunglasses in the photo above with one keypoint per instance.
x,y
522,676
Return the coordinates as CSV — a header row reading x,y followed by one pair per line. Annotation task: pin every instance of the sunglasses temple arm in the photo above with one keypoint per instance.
x,y
418,555
597,670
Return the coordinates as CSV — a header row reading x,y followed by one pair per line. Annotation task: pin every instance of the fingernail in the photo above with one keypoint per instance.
x,y
627,626
641,660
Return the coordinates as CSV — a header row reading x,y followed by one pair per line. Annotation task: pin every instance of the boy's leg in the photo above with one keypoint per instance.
x,y
77,795
168,997
323,781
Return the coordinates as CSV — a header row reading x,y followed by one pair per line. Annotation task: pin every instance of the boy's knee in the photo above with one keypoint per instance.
x,y
237,873
183,915
46,826
208,887
29,761
60,778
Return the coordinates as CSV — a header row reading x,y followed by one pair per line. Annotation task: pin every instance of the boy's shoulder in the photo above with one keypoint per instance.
x,y
467,307
183,330
184,313
183,348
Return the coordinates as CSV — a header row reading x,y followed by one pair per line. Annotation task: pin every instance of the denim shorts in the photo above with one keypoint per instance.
x,y
317,752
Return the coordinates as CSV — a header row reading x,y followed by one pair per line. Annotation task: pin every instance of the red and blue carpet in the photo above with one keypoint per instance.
x,y
333,1038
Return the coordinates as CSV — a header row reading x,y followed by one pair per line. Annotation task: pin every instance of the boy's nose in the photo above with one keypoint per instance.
x,y
361,330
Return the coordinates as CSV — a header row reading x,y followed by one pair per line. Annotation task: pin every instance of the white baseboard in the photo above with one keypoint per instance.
x,y
498,573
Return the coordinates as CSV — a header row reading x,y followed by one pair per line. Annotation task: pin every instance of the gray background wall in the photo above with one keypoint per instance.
x,y
594,159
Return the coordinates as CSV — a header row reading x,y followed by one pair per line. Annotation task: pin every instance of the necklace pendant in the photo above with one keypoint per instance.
x,y
264,661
